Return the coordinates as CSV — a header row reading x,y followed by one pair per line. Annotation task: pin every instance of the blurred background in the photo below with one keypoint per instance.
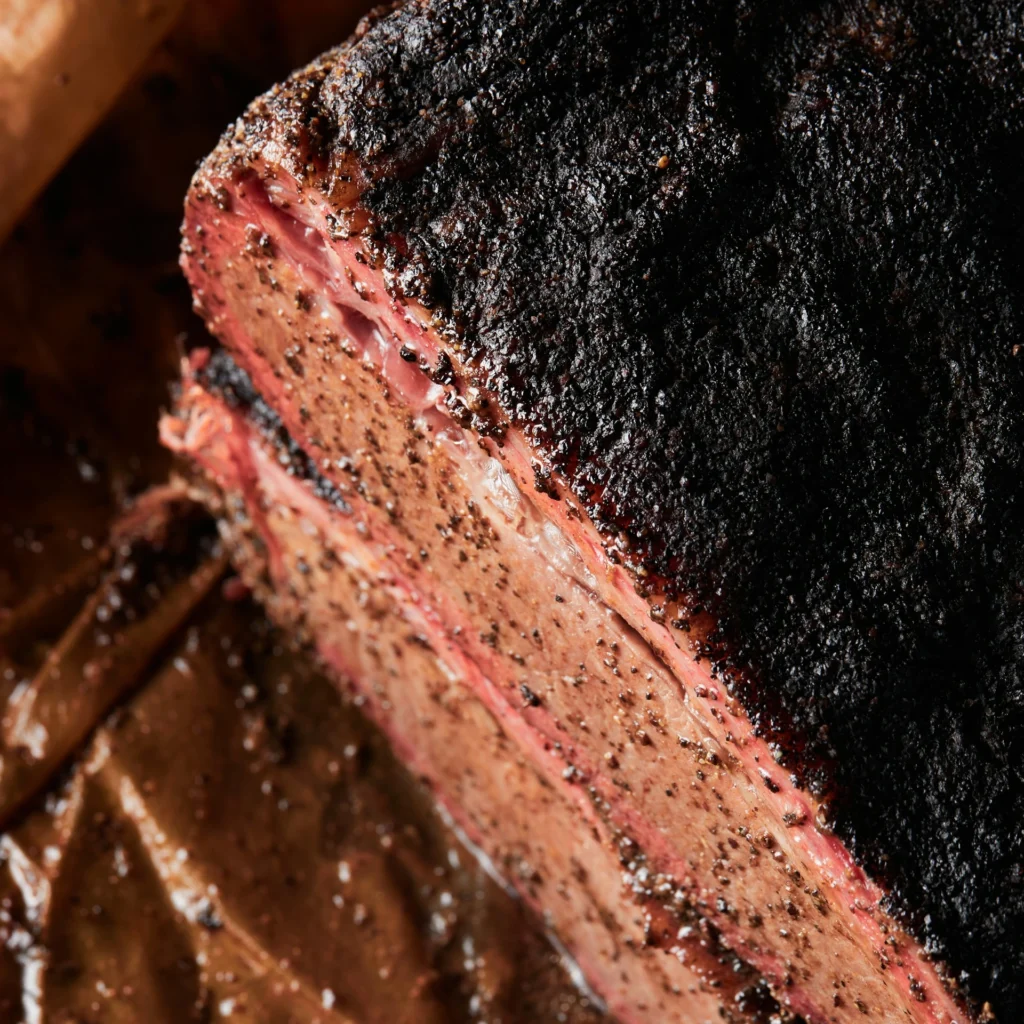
x,y
193,825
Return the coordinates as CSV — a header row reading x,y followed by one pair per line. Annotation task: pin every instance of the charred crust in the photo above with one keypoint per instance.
x,y
223,377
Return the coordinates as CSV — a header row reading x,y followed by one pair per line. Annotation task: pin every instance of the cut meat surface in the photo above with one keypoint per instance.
x,y
645,492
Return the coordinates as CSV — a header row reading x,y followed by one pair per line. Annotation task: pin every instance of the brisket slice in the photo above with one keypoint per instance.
x,y
630,408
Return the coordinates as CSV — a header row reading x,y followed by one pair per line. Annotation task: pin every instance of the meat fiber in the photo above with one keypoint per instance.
x,y
626,399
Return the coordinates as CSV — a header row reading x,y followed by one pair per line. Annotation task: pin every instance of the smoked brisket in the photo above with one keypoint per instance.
x,y
743,283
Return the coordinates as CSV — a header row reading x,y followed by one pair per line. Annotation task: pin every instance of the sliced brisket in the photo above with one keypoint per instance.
x,y
628,400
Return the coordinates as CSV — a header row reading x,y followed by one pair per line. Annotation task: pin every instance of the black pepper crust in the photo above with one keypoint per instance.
x,y
749,274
